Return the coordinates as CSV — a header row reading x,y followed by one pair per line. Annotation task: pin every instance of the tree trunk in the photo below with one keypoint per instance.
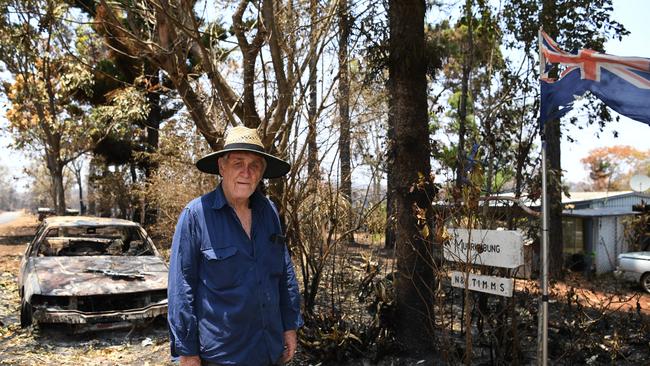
x,y
57,179
312,147
55,168
389,232
152,125
91,193
82,208
197,111
344,112
409,172
78,166
462,108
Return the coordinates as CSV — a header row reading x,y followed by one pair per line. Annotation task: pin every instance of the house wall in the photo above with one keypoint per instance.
x,y
610,242
590,231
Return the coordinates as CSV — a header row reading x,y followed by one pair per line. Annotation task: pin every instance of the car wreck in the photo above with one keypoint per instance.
x,y
92,273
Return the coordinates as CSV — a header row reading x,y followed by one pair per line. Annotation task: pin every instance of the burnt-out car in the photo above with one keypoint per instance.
x,y
93,273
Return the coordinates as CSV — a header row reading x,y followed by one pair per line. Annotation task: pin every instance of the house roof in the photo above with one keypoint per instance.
x,y
601,196
577,197
599,212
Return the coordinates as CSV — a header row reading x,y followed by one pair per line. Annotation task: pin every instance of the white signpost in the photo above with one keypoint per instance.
x,y
496,248
489,284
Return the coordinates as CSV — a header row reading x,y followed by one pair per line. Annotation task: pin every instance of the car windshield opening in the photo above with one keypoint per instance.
x,y
94,241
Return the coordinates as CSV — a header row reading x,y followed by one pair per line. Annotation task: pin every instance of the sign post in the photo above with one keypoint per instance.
x,y
489,284
496,248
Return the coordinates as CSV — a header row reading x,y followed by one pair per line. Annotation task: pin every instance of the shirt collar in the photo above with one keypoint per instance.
x,y
220,198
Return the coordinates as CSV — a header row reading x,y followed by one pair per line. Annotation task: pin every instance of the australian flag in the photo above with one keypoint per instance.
x,y
622,83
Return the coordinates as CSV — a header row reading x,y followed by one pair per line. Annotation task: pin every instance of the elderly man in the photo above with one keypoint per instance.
x,y
233,295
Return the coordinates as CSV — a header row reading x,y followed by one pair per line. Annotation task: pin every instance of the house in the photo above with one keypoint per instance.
x,y
593,228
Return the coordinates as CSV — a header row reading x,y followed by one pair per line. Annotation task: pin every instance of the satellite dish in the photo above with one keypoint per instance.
x,y
640,183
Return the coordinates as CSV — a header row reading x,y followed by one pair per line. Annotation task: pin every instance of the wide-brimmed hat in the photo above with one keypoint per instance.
x,y
246,139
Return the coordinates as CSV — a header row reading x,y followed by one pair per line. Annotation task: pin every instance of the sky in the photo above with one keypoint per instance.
x,y
11,159
632,15
628,12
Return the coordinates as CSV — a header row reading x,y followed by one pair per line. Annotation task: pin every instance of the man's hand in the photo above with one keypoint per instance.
x,y
190,361
290,345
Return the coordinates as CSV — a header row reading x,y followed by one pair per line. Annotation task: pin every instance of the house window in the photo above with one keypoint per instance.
x,y
573,235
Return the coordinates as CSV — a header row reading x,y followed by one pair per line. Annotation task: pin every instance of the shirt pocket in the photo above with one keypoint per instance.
x,y
221,267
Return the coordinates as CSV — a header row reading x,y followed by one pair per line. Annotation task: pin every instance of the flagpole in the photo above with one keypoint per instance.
x,y
542,328
543,320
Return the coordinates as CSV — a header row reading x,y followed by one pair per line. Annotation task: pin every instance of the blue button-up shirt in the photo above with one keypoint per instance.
x,y
231,297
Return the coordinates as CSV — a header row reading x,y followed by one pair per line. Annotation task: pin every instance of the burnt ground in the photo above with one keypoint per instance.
x,y
591,322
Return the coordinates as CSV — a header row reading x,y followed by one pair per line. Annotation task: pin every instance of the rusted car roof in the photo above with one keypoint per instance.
x,y
86,221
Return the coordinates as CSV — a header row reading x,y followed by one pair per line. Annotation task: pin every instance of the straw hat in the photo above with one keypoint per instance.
x,y
241,138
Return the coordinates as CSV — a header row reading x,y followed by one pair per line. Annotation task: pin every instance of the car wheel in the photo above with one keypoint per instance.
x,y
25,314
645,282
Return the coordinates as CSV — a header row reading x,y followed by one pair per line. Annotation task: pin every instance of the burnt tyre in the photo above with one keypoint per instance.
x,y
645,282
25,314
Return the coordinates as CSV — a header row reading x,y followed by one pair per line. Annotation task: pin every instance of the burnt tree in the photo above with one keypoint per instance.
x,y
409,171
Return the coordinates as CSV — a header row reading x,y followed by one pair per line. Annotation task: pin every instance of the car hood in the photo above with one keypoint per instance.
x,y
636,255
100,275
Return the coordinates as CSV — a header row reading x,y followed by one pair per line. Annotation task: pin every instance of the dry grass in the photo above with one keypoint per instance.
x,y
23,226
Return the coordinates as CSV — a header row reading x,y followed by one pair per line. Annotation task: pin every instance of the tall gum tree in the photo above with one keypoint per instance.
x,y
344,109
409,171
177,33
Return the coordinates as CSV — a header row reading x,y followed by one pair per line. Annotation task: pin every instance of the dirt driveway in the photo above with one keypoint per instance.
x,y
146,346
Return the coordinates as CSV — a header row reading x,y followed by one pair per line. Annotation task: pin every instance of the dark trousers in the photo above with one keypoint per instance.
x,y
208,363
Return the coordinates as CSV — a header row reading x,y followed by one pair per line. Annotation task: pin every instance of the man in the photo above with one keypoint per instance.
x,y
233,295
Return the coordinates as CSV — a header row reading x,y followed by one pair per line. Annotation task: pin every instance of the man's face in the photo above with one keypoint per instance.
x,y
241,172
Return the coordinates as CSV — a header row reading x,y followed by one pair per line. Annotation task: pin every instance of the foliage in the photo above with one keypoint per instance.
x,y
45,77
314,228
8,195
338,335
610,168
637,230
112,191
176,181
40,193
127,106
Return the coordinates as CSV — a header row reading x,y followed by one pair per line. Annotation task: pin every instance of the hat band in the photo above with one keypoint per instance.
x,y
244,146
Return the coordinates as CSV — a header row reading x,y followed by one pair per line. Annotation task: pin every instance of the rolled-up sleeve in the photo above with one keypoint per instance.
x,y
183,277
290,296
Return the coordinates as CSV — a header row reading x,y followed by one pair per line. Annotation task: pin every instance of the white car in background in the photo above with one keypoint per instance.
x,y
635,266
